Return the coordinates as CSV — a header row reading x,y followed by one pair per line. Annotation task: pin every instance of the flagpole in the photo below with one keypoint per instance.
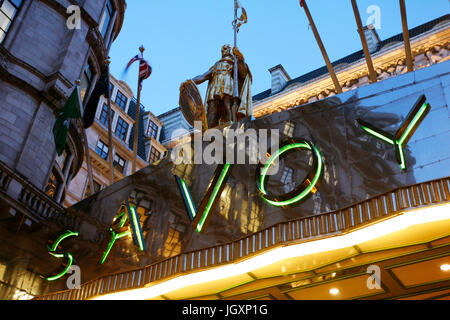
x,y
110,140
369,62
337,86
138,107
409,60
235,76
86,147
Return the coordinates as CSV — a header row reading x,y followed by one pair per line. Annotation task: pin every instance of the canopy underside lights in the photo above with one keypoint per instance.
x,y
374,231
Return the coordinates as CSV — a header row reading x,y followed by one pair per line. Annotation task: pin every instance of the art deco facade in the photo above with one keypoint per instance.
x,y
123,107
40,60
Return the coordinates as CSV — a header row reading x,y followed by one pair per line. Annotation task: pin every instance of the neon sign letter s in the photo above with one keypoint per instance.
x,y
55,250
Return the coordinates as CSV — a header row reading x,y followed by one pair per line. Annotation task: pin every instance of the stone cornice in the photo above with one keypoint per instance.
x,y
300,93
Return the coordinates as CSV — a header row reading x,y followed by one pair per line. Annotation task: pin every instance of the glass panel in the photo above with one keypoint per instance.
x,y
121,129
102,21
17,3
8,9
53,184
104,115
60,160
86,80
121,100
105,24
4,21
102,150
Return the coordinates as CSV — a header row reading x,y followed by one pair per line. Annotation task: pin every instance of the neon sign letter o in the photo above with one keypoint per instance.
x,y
303,190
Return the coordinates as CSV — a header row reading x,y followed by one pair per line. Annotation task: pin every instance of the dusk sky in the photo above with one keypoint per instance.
x,y
183,38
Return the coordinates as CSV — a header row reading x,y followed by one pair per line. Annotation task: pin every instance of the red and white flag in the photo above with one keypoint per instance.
x,y
145,70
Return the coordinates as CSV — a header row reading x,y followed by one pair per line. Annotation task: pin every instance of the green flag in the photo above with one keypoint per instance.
x,y
61,128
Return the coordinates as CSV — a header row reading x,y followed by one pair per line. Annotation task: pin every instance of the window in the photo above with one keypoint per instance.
x,y
102,149
287,179
97,188
111,89
154,155
119,163
152,129
64,160
8,10
61,160
121,100
104,115
86,80
121,129
55,182
289,129
106,19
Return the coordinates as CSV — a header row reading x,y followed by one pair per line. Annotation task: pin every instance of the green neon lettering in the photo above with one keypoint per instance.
x,y
137,231
207,203
416,115
188,198
378,135
115,236
53,251
412,125
302,192
213,197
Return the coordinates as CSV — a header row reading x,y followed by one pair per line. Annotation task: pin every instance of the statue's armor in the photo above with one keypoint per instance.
x,y
222,79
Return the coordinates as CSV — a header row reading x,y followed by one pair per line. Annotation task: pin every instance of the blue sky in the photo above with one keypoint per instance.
x,y
183,38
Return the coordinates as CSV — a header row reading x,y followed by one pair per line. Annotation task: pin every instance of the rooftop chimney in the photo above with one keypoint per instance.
x,y
279,78
373,40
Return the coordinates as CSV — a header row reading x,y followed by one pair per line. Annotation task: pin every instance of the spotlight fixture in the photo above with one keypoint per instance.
x,y
445,267
334,291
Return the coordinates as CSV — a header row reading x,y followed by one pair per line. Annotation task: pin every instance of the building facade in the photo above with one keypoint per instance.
x,y
430,44
41,57
369,221
343,217
123,106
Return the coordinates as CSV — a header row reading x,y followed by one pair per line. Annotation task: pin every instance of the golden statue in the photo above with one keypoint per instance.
x,y
228,97
220,98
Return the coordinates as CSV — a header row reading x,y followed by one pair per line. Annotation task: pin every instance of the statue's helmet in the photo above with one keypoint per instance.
x,y
226,49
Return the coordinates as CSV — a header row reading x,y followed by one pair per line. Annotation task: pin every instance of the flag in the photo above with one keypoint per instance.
x,y
61,128
133,60
243,18
101,88
145,70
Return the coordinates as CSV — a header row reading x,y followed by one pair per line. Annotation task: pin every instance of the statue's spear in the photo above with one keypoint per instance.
x,y
237,22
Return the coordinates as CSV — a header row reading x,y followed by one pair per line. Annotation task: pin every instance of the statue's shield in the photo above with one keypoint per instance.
x,y
191,103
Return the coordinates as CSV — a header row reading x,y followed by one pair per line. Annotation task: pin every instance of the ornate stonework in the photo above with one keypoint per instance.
x,y
428,49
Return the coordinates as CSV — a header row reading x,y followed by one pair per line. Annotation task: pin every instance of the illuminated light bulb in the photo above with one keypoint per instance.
x,y
445,267
334,291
